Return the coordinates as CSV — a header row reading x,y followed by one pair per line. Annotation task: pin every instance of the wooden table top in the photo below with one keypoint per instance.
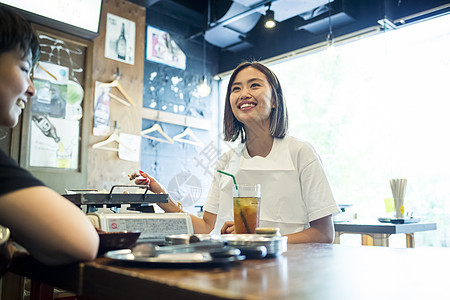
x,y
308,271
378,227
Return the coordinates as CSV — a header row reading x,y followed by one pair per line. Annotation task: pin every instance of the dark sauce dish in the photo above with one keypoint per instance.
x,y
117,240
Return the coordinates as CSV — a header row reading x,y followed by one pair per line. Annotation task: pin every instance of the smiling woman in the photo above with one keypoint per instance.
x,y
26,204
18,52
15,86
295,195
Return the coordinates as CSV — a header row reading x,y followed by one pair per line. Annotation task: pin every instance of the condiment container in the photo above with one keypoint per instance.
x,y
269,231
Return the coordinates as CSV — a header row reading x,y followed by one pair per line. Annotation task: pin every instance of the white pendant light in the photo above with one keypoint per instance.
x,y
331,49
204,89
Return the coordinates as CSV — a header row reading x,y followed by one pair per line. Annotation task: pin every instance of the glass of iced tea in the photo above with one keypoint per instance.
x,y
246,203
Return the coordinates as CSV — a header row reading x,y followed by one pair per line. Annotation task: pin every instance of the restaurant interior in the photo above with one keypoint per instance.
x,y
144,86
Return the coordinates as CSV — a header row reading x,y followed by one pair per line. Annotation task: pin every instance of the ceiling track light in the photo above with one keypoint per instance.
x,y
269,18
386,24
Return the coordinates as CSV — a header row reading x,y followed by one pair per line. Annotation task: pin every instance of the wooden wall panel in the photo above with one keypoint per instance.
x,y
105,168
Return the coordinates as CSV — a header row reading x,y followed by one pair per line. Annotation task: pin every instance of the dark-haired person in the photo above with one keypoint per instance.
x,y
295,194
50,227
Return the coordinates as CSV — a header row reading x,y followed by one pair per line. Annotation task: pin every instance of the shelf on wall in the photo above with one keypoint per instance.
x,y
166,117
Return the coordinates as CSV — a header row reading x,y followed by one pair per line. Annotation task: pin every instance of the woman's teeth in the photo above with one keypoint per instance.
x,y
20,103
245,105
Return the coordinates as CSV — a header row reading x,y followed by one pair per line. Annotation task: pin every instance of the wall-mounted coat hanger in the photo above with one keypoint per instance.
x,y
115,83
119,99
113,138
156,128
188,133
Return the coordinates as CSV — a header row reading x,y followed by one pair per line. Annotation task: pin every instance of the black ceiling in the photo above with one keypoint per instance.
x,y
189,18
196,5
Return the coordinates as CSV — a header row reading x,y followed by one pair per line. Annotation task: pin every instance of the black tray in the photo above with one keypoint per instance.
x,y
124,256
399,221
116,198
405,221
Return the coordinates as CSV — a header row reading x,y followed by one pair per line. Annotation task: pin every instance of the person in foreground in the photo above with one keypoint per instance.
x,y
295,194
51,228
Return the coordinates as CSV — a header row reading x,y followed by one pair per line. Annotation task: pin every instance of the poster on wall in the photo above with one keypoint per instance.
x,y
55,142
102,107
56,94
161,48
55,115
120,39
129,147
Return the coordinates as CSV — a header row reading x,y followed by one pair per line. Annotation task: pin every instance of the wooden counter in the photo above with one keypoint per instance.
x,y
309,271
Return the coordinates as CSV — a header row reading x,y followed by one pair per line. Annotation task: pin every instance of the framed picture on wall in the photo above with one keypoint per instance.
x,y
120,39
56,108
54,133
161,48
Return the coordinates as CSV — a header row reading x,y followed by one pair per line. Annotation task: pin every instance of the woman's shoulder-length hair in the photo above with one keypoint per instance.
x,y
232,128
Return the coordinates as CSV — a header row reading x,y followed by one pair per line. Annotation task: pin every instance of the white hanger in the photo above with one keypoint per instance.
x,y
188,132
115,83
157,128
120,100
114,137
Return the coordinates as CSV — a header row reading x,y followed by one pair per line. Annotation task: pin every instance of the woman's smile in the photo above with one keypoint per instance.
x,y
21,103
246,106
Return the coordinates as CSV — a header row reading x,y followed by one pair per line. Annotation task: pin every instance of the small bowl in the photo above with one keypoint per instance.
x,y
117,240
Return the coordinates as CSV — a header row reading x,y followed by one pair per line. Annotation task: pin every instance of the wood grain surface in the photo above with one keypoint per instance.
x,y
308,271
105,168
305,271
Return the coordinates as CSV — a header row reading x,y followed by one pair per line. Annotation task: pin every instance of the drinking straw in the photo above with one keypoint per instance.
x,y
237,202
232,176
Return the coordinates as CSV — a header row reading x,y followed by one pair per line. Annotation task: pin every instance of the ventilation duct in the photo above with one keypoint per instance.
x,y
229,31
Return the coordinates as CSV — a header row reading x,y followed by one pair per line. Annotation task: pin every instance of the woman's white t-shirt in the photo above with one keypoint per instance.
x,y
294,187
